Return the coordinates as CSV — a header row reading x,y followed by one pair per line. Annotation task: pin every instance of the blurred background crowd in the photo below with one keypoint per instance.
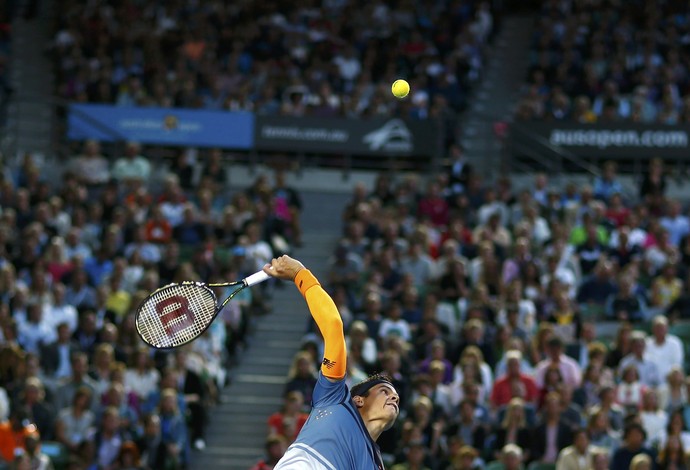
x,y
333,58
609,61
541,327
75,261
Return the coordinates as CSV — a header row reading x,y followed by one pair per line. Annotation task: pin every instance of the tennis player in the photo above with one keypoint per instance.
x,y
343,426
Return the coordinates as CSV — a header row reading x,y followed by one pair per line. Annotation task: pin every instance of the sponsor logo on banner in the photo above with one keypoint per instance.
x,y
393,136
618,138
306,134
604,140
161,126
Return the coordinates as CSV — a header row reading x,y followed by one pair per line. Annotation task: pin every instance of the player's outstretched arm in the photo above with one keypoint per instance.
x,y
322,309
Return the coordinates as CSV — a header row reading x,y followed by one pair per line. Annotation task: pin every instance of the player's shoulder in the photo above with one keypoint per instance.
x,y
328,392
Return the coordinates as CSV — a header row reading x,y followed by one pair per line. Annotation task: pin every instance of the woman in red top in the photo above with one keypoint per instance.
x,y
289,421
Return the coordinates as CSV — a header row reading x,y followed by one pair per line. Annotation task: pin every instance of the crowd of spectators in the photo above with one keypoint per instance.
x,y
540,327
332,58
609,60
78,253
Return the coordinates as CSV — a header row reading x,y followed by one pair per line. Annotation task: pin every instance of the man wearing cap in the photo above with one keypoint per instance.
x,y
343,427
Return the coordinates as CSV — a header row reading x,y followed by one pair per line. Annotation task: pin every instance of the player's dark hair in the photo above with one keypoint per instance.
x,y
362,388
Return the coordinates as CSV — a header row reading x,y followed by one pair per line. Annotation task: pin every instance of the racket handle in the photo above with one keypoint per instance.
x,y
255,278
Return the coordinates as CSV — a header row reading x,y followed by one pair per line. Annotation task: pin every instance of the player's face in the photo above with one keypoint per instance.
x,y
383,402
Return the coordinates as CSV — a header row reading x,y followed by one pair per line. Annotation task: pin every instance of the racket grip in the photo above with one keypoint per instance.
x,y
256,278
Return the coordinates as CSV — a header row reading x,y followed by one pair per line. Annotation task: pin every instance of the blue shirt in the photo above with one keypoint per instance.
x,y
335,435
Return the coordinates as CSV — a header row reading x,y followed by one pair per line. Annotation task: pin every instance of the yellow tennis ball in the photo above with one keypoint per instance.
x,y
400,88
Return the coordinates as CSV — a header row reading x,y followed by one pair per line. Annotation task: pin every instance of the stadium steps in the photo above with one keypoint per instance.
x,y
237,428
496,95
30,113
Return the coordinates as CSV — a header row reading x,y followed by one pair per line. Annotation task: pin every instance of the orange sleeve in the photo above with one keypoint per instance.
x,y
327,318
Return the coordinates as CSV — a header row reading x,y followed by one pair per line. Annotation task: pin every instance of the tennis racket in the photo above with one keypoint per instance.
x,y
178,313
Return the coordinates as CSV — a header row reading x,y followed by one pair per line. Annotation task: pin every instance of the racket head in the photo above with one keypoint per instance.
x,y
176,314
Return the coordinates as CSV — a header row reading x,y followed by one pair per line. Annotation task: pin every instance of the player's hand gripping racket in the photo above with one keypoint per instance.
x,y
176,314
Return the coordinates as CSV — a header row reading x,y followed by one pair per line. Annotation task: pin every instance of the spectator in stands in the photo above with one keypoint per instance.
x,y
633,444
155,453
569,369
578,455
665,351
142,378
665,289
599,431
13,434
173,429
288,422
552,435
459,169
275,447
78,380
359,340
672,394
514,384
302,376
286,206
158,229
56,356
91,167
86,335
394,324
513,428
607,184
512,457
41,412
415,457
648,372
35,331
133,166
79,293
75,422
677,224
653,185
115,397
594,293
37,459
626,304
654,419
109,438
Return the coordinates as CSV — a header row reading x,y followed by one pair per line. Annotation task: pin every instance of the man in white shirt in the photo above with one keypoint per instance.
x,y
578,455
132,167
35,331
60,311
647,370
394,324
91,167
663,350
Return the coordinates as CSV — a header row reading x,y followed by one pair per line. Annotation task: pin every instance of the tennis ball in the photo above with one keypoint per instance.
x,y
400,88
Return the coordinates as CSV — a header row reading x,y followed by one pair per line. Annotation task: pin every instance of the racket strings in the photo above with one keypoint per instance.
x,y
176,314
